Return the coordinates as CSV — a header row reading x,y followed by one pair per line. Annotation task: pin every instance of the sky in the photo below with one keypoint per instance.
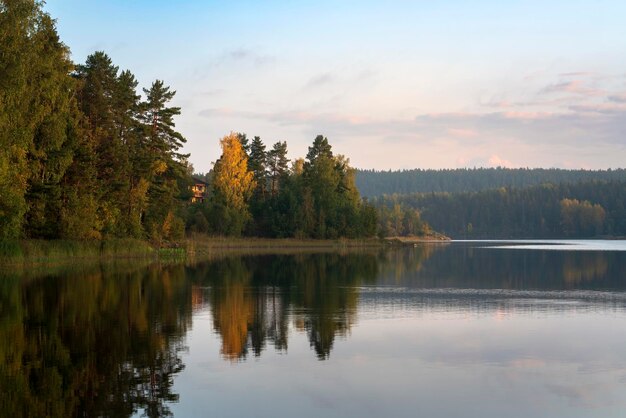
x,y
393,85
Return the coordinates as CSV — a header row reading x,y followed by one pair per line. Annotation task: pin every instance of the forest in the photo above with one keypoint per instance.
x,y
257,192
566,210
83,155
86,154
373,183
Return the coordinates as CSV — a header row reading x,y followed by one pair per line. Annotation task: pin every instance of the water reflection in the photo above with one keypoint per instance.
x,y
106,342
110,340
466,266
252,299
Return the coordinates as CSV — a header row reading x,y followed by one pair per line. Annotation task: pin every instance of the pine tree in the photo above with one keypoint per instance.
x,y
166,165
98,95
257,163
277,166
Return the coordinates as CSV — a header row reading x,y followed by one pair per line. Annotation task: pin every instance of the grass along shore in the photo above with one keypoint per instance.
x,y
31,252
44,251
53,251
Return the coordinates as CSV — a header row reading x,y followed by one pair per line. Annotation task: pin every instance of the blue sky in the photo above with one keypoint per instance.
x,y
394,84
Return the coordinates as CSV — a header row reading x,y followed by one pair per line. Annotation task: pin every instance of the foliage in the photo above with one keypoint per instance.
x,y
255,192
232,184
581,218
585,209
398,220
85,156
36,114
81,156
374,183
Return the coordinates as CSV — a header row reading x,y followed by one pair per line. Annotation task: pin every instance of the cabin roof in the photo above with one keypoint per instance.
x,y
198,180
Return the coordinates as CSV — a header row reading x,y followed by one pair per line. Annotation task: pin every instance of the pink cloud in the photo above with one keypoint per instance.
x,y
577,74
463,133
573,87
496,161
521,115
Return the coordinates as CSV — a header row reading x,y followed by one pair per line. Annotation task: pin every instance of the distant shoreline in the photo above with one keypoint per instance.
x,y
430,238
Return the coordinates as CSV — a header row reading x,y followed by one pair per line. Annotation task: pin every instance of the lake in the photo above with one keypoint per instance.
x,y
461,329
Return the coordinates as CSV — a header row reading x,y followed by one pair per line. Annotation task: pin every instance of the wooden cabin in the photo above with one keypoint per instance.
x,y
198,190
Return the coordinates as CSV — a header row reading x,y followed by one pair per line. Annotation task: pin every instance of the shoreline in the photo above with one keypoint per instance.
x,y
40,252
415,240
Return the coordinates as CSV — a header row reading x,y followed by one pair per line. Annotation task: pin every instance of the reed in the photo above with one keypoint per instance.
x,y
32,252
38,251
199,245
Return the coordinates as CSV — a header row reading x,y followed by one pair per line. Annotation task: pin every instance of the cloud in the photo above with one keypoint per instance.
x,y
462,133
366,74
496,161
526,115
243,54
619,97
577,74
576,129
233,59
572,87
319,80
212,93
576,126
605,108
498,104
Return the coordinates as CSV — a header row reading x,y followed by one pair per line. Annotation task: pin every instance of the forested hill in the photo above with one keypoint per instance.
x,y
373,183
576,210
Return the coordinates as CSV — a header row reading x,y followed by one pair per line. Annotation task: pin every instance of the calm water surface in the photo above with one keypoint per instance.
x,y
466,329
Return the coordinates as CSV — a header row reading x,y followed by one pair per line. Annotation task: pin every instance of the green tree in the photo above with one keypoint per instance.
x,y
35,105
277,166
163,166
257,162
331,183
98,96
49,153
321,178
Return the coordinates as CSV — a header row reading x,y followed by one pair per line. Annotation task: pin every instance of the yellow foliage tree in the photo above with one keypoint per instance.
x,y
233,184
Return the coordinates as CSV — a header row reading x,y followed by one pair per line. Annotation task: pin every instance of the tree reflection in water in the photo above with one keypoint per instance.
x,y
107,340
252,299
102,343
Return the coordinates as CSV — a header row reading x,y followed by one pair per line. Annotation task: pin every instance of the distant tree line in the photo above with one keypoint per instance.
x,y
584,209
257,192
373,183
82,154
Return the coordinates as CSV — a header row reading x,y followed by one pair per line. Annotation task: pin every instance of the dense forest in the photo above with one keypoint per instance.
x,y
84,154
258,192
372,183
584,209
